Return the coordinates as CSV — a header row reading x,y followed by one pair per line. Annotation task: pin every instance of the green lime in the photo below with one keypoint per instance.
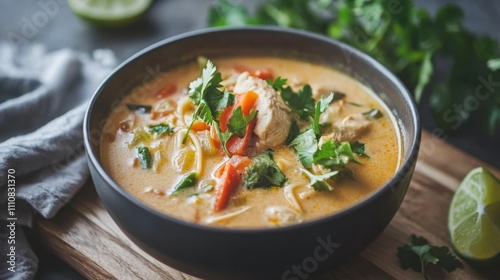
x,y
109,12
474,218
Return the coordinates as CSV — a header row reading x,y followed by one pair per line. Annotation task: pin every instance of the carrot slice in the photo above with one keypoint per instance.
x,y
224,117
213,135
229,180
165,91
240,163
247,102
236,145
199,126
219,171
239,146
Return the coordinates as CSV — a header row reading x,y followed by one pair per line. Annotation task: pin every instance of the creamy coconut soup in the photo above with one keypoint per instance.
x,y
251,142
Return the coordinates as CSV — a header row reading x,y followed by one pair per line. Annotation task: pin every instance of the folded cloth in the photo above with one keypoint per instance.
x,y
43,99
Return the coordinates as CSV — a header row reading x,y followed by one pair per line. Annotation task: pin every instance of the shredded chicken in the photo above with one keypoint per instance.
x,y
282,216
273,120
348,129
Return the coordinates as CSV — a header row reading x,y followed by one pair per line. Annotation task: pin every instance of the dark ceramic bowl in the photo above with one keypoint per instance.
x,y
292,252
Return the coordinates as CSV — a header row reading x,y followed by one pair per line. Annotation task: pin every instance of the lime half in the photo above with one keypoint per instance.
x,y
474,218
109,12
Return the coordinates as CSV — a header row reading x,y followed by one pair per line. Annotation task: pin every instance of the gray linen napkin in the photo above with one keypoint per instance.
x,y
43,99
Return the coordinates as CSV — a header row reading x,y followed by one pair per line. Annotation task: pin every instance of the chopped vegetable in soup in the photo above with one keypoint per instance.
x,y
251,142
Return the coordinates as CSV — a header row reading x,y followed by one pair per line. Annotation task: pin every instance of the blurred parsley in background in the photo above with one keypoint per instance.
x,y
407,40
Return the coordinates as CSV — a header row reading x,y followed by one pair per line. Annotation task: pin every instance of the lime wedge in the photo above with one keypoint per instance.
x,y
109,12
474,218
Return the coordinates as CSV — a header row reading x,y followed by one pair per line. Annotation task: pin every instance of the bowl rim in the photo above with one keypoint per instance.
x,y
405,166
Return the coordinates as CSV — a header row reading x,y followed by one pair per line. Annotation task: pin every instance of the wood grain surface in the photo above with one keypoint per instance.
x,y
84,235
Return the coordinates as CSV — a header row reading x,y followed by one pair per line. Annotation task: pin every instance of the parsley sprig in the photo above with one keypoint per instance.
x,y
238,122
405,38
206,93
331,154
264,172
301,103
210,100
418,254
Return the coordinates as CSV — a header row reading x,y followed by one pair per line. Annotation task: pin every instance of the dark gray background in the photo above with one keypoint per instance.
x,y
170,17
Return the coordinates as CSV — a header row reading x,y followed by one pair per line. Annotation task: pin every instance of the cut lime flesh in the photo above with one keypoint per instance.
x,y
474,217
111,12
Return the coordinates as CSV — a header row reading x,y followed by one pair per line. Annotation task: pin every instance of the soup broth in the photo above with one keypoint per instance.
x,y
146,148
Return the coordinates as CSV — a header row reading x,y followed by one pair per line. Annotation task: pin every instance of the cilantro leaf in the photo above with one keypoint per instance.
x,y
359,149
210,79
321,106
278,83
300,103
264,172
419,253
160,129
334,155
218,100
238,122
293,132
204,92
410,44
227,12
204,113
320,182
424,75
305,144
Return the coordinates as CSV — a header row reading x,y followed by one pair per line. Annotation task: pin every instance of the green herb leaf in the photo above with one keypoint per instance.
x,y
424,75
300,103
359,149
160,129
227,12
293,132
138,108
320,182
209,78
410,44
334,155
238,122
144,156
321,106
218,101
187,181
278,83
204,92
264,172
419,253
305,144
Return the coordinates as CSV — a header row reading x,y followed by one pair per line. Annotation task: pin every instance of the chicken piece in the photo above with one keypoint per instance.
x,y
333,111
348,129
273,118
282,216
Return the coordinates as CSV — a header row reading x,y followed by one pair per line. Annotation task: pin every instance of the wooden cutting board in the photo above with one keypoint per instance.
x,y
84,235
